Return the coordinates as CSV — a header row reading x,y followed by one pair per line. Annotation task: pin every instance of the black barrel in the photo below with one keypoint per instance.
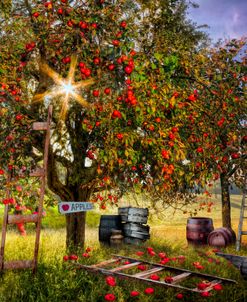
x,y
107,224
198,229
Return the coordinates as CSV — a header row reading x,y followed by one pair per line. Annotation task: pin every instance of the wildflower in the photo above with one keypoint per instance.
x,y
202,286
168,279
152,253
179,296
110,281
134,293
85,255
73,257
149,291
181,258
164,261
155,277
205,294
198,265
162,255
217,287
110,297
139,253
142,267
65,258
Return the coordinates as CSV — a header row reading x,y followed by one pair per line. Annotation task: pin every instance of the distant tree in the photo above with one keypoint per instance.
x,y
216,126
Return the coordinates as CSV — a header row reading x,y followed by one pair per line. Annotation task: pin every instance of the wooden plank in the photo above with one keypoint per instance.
x,y
179,270
39,172
18,264
126,266
12,219
40,126
146,274
180,277
104,263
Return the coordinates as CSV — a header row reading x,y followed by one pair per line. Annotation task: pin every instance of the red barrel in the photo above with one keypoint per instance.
x,y
198,229
221,237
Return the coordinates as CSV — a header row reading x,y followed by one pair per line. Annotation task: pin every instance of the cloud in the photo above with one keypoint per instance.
x,y
226,18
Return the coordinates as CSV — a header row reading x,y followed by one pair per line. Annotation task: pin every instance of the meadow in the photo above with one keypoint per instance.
x,y
59,280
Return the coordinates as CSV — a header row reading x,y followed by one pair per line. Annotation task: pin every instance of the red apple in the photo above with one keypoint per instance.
x,y
96,61
123,24
36,14
60,11
128,69
107,90
235,155
111,67
96,93
115,42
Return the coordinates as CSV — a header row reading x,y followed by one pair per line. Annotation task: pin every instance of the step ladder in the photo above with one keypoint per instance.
x,y
117,265
243,216
35,218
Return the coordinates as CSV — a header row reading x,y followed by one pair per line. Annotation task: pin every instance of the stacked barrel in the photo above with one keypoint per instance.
x,y
134,226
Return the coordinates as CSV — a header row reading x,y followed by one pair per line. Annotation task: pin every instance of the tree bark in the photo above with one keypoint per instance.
x,y
225,201
75,224
75,229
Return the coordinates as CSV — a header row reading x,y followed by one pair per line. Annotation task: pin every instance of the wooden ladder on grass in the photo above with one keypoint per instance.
x,y
144,276
35,218
243,215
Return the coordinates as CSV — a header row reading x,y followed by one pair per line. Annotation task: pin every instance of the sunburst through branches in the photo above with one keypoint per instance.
x,y
64,88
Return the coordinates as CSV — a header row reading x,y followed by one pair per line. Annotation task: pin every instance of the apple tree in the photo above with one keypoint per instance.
x,y
112,130
215,127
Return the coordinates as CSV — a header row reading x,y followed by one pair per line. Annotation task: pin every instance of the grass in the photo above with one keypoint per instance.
x,y
57,280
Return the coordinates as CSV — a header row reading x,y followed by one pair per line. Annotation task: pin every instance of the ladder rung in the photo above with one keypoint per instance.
x,y
18,264
180,277
39,172
210,287
40,126
146,274
126,266
12,219
104,263
244,233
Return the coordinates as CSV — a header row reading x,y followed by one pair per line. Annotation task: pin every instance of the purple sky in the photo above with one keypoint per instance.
x,y
226,18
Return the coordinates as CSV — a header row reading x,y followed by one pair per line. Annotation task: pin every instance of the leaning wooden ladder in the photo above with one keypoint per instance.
x,y
35,218
243,215
180,274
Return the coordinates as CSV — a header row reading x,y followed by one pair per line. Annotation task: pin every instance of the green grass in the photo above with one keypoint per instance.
x,y
57,280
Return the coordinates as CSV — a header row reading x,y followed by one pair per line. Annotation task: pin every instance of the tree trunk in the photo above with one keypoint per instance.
x,y
75,229
75,224
225,201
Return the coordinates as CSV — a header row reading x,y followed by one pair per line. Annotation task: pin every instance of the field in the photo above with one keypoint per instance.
x,y
57,280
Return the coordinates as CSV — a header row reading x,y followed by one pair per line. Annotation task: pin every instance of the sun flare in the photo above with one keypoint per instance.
x,y
64,88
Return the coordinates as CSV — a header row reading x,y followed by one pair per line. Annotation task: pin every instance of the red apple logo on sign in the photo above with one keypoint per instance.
x,y
65,207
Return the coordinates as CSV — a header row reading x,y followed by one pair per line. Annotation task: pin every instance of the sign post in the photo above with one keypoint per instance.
x,y
67,207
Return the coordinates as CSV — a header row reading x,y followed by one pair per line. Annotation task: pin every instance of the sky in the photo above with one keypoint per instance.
x,y
226,18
